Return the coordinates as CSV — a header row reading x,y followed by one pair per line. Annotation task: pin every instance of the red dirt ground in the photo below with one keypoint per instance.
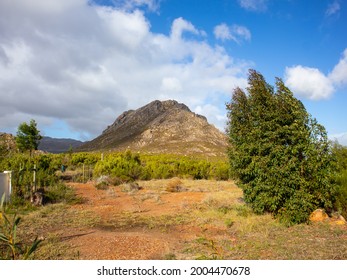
x,y
108,243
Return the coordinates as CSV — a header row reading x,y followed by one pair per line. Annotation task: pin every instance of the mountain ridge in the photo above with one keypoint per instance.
x,y
161,127
46,144
58,145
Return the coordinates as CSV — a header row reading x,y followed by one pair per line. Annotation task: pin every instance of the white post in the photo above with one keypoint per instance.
x,y
9,178
6,187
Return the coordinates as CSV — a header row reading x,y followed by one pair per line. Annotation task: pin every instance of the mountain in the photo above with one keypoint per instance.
x,y
58,145
161,127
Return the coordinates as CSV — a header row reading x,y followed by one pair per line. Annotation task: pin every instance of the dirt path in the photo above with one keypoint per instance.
x,y
117,238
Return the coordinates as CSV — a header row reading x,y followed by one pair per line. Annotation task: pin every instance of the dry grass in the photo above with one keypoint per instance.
x,y
219,226
174,185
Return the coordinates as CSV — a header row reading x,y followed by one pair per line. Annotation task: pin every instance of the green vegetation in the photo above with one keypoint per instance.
x,y
340,153
280,155
129,167
120,167
10,247
28,137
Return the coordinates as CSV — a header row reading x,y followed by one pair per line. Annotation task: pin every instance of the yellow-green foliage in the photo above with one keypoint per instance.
x,y
143,166
122,165
78,159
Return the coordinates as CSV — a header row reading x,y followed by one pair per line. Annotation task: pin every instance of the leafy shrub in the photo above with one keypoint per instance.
x,y
279,154
124,166
10,247
60,193
78,159
297,209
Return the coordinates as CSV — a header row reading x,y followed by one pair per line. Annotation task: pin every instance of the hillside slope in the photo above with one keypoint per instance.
x,y
161,127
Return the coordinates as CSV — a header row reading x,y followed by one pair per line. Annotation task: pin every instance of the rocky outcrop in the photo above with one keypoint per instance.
x,y
7,141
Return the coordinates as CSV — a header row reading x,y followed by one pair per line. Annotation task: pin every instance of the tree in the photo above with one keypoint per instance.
x,y
28,137
340,153
279,154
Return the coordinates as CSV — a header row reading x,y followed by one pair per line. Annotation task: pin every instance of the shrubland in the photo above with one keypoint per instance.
x,y
130,167
120,166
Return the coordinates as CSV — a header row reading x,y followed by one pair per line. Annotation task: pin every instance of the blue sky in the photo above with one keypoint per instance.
x,y
75,65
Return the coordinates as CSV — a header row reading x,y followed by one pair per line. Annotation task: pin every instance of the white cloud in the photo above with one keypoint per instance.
x,y
39,6
308,82
179,26
214,114
127,29
170,84
85,64
222,32
235,33
333,8
312,84
339,74
254,5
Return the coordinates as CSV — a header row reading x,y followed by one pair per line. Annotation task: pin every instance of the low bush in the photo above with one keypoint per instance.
x,y
174,185
60,193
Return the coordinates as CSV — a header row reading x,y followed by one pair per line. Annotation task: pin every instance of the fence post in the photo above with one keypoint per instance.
x,y
83,174
34,179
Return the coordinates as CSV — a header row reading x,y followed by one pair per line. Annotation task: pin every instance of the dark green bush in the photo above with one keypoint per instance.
x,y
279,154
340,153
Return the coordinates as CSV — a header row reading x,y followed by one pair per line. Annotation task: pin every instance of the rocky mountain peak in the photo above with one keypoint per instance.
x,y
161,127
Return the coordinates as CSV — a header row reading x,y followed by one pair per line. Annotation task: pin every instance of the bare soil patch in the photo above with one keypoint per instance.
x,y
146,224
204,220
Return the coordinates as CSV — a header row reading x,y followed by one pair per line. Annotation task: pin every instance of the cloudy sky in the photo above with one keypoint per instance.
x,y
75,65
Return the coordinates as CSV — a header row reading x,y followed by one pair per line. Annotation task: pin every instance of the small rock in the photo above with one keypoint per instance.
x,y
37,198
318,215
338,220
131,187
102,179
